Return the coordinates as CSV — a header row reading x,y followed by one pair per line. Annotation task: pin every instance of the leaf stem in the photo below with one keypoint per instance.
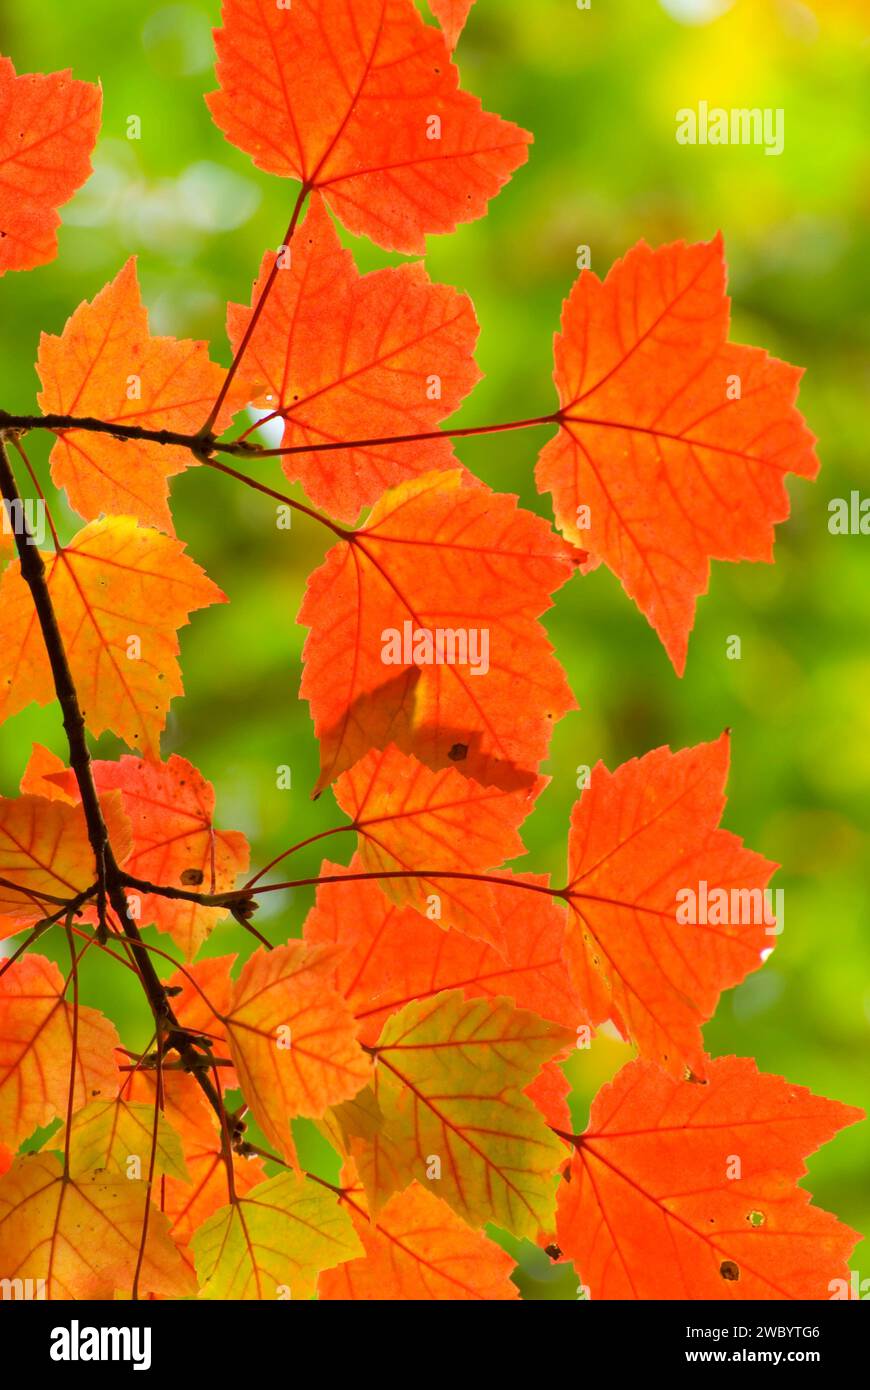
x,y
208,426
241,894
333,446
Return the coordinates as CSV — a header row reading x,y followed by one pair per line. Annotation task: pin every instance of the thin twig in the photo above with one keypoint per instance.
x,y
109,879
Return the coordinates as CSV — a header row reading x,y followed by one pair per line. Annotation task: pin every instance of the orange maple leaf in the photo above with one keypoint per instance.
x,y
417,1250
685,1191
451,15
674,443
349,356
549,1092
359,98
40,776
46,855
48,128
645,854
293,1039
409,818
174,841
37,1028
107,364
114,581
443,554
393,954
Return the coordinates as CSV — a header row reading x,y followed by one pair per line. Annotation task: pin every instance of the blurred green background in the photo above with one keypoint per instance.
x,y
600,89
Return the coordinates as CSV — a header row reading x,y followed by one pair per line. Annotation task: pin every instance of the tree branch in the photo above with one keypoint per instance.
x,y
110,884
244,897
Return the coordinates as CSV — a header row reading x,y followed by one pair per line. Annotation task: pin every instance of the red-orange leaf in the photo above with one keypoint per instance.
x,y
113,583
451,15
410,818
36,1034
40,776
640,837
175,843
443,555
549,1092
48,128
685,1191
393,954
349,356
293,1039
674,444
359,99
45,850
418,1250
107,364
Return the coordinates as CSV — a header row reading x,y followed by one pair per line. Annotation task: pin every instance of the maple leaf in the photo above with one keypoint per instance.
x,y
439,1096
639,837
685,1191
37,1027
45,850
392,955
174,841
106,1134
40,776
418,1250
273,1242
107,364
549,1093
676,441
48,128
83,1235
438,553
409,818
358,98
114,581
350,356
451,15
292,1039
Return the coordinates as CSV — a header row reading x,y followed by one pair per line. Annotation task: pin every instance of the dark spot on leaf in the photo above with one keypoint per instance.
x,y
192,876
729,1270
458,753
553,1251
